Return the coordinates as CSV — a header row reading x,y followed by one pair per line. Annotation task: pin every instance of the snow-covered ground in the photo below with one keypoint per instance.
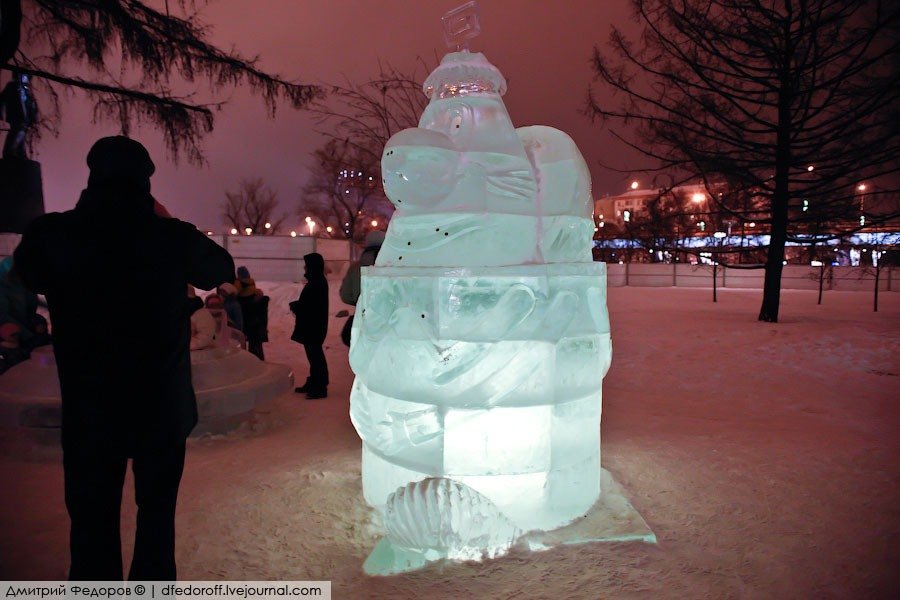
x,y
765,457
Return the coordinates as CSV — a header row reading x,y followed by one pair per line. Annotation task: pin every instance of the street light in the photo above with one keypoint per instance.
x,y
248,230
374,223
634,185
233,231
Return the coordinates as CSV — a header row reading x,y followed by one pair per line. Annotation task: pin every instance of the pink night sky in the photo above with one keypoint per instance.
x,y
543,48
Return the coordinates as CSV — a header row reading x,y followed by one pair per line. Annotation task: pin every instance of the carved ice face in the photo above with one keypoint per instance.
x,y
456,138
479,124
419,167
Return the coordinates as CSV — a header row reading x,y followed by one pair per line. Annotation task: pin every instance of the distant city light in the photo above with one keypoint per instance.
x,y
233,231
374,223
752,224
861,187
209,233
698,197
719,235
810,168
293,234
308,219
268,226
634,185
816,263
329,229
626,215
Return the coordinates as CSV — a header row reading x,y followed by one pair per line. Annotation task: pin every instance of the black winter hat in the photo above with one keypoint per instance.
x,y
315,264
119,157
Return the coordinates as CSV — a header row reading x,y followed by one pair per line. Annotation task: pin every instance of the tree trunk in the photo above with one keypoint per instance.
x,y
775,257
778,236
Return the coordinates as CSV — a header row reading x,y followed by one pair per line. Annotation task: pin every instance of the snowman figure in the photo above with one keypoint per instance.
x,y
481,337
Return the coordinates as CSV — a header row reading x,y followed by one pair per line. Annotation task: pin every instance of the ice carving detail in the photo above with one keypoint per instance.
x,y
443,518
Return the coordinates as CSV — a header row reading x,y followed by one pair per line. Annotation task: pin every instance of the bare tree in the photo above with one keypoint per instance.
x,y
366,115
789,101
252,208
94,45
346,186
357,121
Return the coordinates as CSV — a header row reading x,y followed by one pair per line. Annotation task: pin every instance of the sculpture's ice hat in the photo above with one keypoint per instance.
x,y
464,74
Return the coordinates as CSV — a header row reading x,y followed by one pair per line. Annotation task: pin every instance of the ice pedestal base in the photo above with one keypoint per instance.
x,y
611,519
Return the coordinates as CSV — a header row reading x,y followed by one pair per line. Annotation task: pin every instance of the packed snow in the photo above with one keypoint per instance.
x,y
765,457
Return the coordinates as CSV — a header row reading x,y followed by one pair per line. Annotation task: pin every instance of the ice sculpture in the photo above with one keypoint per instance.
x,y
481,337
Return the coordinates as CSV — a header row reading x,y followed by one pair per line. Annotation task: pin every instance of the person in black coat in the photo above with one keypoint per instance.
x,y
124,367
311,313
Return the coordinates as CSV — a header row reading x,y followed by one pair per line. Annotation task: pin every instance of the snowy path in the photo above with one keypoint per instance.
x,y
766,458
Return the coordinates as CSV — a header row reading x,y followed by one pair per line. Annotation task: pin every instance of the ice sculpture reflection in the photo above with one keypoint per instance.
x,y
481,337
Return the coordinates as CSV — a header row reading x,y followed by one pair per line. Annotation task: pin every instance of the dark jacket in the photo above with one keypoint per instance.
x,y
311,308
124,365
255,315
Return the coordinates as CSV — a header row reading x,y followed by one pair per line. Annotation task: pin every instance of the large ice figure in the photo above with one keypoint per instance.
x,y
481,337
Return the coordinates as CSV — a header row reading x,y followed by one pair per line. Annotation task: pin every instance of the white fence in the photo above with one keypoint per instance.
x,y
793,277
280,258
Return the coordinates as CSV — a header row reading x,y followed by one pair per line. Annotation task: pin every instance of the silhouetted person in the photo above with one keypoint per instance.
x,y
124,367
20,111
311,313
254,312
351,286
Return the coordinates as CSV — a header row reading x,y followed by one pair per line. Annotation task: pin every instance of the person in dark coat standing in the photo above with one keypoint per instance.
x,y
311,313
124,367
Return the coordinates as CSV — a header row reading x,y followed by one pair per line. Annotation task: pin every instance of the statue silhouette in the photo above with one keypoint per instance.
x,y
19,109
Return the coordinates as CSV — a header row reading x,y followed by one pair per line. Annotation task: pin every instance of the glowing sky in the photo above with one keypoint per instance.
x,y
542,47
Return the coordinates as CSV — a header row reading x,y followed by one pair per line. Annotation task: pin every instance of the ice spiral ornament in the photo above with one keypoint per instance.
x,y
481,336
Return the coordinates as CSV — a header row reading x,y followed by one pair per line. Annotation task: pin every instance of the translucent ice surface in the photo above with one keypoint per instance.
x,y
481,336
449,519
